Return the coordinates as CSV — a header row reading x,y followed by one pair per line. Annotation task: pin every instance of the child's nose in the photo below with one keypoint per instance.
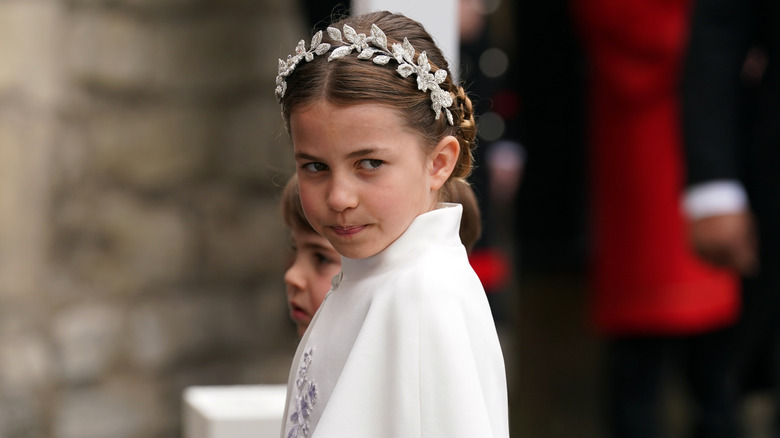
x,y
341,195
294,278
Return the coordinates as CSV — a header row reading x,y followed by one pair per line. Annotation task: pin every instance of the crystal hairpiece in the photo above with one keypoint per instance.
x,y
379,54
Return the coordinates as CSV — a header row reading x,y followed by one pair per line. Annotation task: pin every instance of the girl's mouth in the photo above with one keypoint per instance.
x,y
348,230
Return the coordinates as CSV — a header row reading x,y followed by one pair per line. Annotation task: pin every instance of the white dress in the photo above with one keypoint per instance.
x,y
403,346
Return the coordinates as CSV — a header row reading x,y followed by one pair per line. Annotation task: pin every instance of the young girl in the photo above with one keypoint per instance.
x,y
314,262
404,344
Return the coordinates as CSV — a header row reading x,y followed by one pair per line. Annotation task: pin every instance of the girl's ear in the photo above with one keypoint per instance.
x,y
443,160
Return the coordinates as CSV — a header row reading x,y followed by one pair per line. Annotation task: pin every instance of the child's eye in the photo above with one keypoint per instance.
x,y
370,164
322,259
315,166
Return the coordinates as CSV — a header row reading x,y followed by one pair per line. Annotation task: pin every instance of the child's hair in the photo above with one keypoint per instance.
x,y
350,80
461,193
471,222
292,210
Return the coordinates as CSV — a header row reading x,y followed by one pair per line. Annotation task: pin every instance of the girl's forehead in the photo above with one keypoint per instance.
x,y
350,120
364,120
329,106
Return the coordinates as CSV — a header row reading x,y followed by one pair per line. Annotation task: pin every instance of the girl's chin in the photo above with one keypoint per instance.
x,y
353,254
353,251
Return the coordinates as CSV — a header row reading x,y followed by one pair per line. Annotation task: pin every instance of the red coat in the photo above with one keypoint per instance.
x,y
645,278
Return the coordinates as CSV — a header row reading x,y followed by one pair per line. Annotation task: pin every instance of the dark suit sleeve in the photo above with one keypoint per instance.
x,y
721,32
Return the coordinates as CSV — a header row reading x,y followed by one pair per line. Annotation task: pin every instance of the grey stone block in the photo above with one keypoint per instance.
x,y
152,148
121,53
86,339
120,408
129,245
243,238
256,146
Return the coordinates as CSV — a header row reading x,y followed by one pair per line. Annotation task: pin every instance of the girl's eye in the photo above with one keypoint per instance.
x,y
315,167
370,164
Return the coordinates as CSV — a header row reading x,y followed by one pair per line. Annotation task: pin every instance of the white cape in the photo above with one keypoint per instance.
x,y
403,346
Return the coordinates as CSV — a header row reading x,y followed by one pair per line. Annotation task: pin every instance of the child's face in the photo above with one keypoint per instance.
x,y
362,178
308,279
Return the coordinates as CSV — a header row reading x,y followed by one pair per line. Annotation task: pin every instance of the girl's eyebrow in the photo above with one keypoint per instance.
x,y
364,152
305,156
352,155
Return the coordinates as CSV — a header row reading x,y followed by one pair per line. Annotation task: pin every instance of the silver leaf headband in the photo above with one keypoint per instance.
x,y
379,54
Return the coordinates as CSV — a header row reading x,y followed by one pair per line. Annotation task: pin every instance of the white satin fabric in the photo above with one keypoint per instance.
x,y
403,346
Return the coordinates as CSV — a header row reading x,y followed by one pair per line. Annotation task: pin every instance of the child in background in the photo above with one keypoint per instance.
x,y
404,345
314,262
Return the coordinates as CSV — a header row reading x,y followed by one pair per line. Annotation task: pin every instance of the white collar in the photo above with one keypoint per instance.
x,y
438,227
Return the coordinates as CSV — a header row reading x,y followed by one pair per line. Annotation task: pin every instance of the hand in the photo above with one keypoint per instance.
x,y
505,163
504,184
727,240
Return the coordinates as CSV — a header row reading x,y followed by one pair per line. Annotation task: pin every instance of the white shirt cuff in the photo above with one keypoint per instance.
x,y
714,198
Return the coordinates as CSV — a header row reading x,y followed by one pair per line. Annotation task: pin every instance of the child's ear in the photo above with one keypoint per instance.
x,y
443,160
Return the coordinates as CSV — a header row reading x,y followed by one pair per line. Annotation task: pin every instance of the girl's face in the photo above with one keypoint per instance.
x,y
315,262
362,177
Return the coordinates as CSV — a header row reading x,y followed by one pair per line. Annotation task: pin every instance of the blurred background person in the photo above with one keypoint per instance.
x,y
662,311
731,119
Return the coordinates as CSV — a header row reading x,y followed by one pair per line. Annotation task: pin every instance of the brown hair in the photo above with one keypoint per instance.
x,y
350,81
470,224
292,210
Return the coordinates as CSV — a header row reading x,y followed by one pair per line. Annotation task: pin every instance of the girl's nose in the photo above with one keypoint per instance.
x,y
341,195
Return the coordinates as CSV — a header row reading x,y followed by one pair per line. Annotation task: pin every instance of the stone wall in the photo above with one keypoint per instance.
x,y
141,155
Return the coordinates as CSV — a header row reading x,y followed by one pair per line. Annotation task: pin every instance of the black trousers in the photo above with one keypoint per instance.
x,y
639,369
718,368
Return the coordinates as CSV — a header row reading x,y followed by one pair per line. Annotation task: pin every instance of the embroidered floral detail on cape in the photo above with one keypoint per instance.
x,y
305,399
